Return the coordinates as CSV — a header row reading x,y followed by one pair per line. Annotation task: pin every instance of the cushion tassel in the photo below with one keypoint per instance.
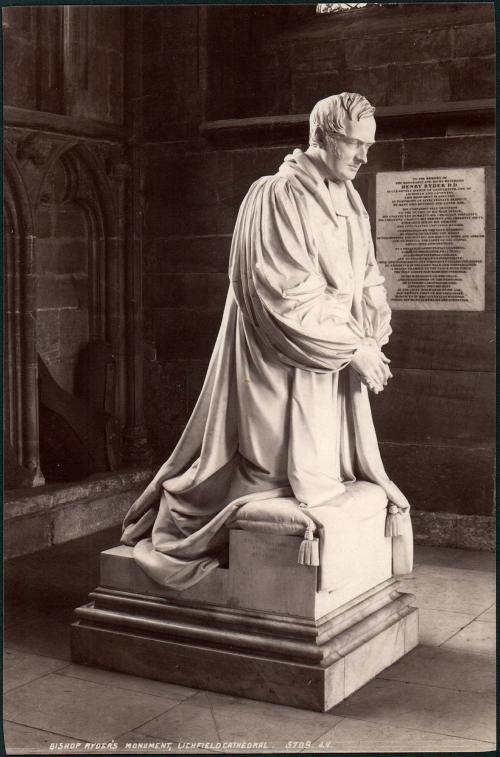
x,y
393,521
309,548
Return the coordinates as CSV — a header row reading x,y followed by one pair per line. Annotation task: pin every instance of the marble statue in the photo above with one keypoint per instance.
x,y
284,410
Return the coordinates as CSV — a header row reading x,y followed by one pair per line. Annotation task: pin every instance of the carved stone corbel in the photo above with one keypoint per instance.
x,y
35,147
118,169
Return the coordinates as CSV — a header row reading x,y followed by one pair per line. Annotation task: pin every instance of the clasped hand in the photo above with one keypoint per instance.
x,y
372,365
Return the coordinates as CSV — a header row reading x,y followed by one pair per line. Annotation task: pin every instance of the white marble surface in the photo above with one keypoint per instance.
x,y
118,570
129,683
359,736
367,661
188,721
489,614
423,707
479,637
264,574
406,715
20,668
21,739
80,709
437,626
459,670
216,717
451,589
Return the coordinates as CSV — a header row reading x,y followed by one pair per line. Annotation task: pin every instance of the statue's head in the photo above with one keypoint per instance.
x,y
342,130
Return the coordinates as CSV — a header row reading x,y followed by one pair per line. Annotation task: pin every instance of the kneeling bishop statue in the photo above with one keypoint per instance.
x,y
284,409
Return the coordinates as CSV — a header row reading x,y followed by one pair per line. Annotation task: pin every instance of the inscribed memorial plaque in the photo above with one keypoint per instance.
x,y
431,238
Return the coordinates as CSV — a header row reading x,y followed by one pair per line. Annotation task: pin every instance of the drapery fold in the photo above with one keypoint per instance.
x,y
280,412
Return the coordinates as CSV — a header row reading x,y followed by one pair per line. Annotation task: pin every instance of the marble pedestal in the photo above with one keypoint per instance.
x,y
258,629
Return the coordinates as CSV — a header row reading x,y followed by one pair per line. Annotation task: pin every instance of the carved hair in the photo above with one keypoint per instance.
x,y
330,114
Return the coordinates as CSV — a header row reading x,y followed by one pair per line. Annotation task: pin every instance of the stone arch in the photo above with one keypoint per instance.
x,y
111,199
107,213
102,200
90,188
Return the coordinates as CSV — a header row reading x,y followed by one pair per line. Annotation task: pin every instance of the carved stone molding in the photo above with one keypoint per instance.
x,y
61,124
35,147
136,449
425,119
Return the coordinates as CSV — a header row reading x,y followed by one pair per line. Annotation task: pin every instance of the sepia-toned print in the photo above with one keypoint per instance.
x,y
249,371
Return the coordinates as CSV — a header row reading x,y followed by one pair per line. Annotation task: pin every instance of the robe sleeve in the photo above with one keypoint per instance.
x,y
280,287
376,310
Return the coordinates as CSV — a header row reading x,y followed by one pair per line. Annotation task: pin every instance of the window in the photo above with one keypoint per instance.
x,y
341,7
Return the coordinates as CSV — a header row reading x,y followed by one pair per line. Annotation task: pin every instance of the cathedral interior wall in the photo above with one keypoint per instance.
x,y
150,77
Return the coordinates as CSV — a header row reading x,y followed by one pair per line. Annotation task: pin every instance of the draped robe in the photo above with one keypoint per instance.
x,y
281,412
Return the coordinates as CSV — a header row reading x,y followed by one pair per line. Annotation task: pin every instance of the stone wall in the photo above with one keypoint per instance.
x,y
65,70
65,59
177,211
435,420
273,61
62,267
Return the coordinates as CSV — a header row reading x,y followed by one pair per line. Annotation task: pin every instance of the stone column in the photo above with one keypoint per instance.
x,y
20,326
29,369
136,450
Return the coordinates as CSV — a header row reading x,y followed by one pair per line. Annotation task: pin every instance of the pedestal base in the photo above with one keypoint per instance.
x,y
306,663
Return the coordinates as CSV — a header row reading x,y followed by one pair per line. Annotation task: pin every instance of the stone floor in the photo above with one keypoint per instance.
x,y
439,698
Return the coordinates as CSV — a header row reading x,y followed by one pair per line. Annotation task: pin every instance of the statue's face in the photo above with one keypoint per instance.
x,y
344,155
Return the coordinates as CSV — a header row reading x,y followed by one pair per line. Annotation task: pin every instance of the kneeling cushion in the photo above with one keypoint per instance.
x,y
348,527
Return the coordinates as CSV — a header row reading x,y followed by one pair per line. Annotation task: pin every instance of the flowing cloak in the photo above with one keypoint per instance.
x,y
280,412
